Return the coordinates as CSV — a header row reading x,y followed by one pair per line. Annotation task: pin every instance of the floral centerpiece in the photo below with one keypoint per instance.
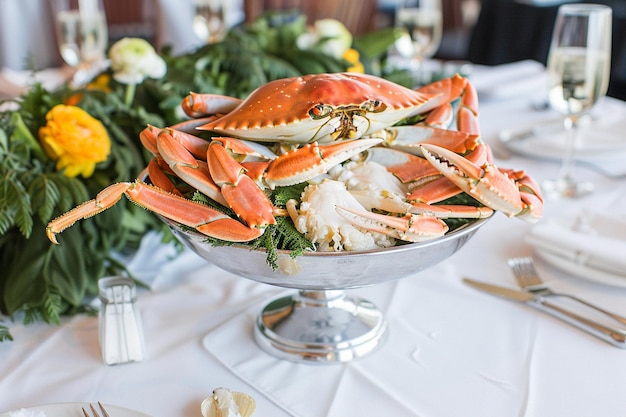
x,y
59,148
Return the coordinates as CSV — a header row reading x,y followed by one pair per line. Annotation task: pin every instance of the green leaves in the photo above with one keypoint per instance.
x,y
39,279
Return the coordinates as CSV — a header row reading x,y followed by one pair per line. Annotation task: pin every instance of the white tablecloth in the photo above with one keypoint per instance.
x,y
452,351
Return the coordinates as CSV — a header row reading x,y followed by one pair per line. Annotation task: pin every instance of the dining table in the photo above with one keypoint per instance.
x,y
451,350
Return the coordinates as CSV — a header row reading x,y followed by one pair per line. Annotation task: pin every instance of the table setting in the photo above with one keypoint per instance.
x,y
387,331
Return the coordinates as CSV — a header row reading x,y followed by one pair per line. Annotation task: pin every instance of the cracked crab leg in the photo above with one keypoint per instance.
x,y
203,218
240,191
312,160
188,168
410,227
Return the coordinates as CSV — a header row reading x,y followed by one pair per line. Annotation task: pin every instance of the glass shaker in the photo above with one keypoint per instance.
x,y
121,334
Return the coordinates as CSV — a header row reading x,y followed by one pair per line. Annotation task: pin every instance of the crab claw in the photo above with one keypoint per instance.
x,y
312,160
531,196
485,183
410,227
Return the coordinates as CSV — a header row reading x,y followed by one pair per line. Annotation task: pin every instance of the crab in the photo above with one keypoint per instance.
x,y
294,130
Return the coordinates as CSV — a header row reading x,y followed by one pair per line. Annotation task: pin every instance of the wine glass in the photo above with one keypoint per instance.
x,y
208,22
578,67
82,35
423,21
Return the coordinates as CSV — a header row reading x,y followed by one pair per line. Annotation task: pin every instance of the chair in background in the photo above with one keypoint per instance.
x,y
359,16
510,30
459,17
137,18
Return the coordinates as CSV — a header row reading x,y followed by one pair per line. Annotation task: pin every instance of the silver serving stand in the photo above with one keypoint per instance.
x,y
319,323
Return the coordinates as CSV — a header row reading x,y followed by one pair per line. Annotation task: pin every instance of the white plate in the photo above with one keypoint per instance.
x,y
72,410
601,135
581,271
547,141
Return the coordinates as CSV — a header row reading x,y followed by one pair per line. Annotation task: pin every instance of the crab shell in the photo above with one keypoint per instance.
x,y
322,108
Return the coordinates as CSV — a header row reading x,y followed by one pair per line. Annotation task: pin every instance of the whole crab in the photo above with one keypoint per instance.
x,y
294,130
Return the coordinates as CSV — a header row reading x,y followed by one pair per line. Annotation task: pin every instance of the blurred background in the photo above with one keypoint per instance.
x,y
489,32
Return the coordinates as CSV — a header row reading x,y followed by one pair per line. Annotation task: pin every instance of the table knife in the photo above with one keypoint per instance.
x,y
612,335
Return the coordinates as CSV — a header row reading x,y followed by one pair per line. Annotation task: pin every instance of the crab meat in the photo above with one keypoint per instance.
x,y
318,220
376,188
227,403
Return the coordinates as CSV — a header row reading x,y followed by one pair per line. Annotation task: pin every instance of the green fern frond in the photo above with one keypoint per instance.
x,y
52,307
45,195
282,195
5,334
72,191
19,202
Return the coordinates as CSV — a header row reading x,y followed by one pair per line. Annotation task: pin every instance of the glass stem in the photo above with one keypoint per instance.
x,y
571,136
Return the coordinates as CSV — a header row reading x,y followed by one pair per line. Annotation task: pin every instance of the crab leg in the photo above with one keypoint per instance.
x,y
410,227
205,219
484,182
530,194
406,167
445,211
408,138
242,194
158,177
190,125
197,146
199,105
450,89
312,160
188,168
246,150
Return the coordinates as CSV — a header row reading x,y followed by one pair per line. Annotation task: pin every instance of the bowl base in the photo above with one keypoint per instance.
x,y
320,327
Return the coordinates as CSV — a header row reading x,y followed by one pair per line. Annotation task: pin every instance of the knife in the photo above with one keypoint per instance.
x,y
612,335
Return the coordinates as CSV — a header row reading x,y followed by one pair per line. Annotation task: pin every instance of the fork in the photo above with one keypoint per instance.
x,y
94,411
527,278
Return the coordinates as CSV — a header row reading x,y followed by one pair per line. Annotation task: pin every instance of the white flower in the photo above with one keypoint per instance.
x,y
134,59
330,36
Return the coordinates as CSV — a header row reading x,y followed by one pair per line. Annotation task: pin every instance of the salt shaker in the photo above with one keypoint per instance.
x,y
121,335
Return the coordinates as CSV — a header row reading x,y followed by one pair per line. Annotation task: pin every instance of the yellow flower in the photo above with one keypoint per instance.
x,y
101,83
75,140
352,56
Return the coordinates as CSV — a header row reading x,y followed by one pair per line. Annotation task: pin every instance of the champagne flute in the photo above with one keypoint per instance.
x,y
578,68
208,22
423,22
82,35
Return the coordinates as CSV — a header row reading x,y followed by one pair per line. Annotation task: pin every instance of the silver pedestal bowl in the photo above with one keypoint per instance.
x,y
319,323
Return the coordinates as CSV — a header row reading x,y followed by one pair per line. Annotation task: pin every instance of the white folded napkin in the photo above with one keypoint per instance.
x,y
517,79
430,357
593,239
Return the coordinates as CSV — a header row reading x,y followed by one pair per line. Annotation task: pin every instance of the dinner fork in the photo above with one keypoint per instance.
x,y
94,411
528,278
